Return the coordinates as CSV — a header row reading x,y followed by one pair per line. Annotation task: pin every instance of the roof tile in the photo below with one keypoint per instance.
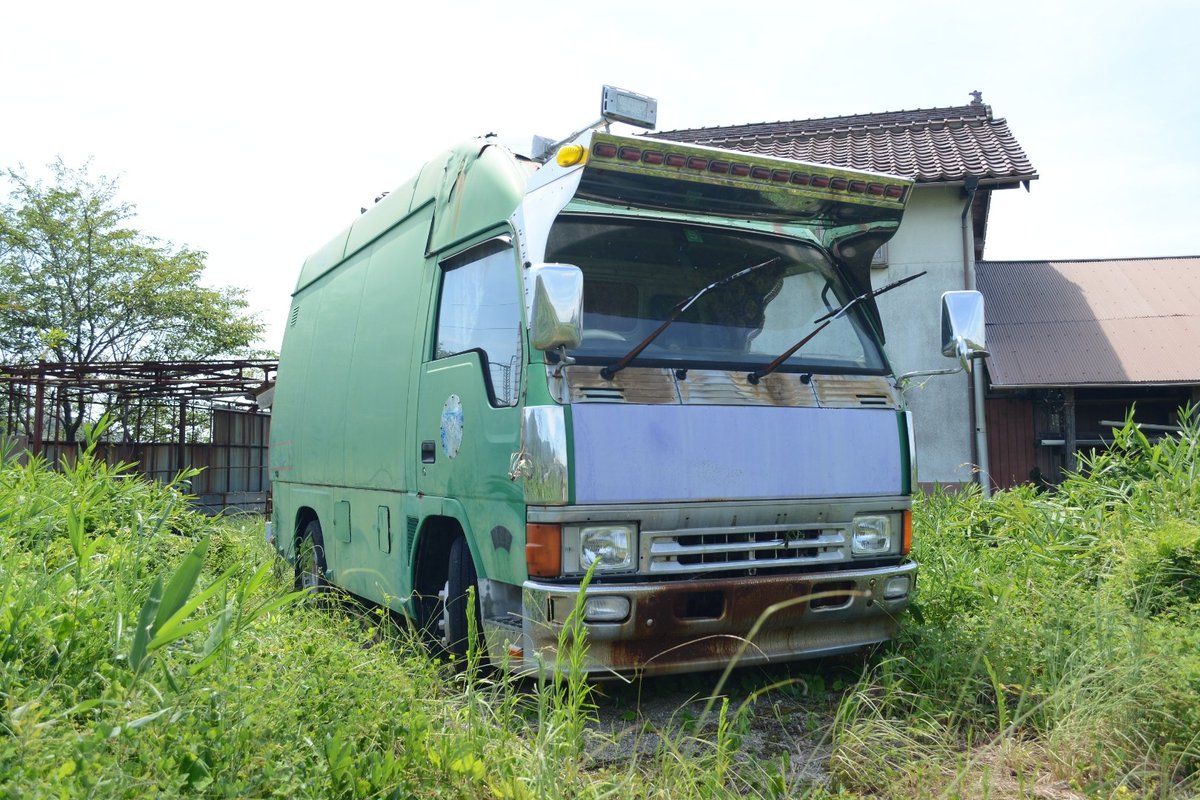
x,y
929,145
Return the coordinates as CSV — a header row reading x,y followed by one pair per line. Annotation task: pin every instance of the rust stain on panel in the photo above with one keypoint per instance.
x,y
668,631
853,391
641,386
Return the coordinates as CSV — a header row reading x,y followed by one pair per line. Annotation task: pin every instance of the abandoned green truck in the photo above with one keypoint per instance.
x,y
657,362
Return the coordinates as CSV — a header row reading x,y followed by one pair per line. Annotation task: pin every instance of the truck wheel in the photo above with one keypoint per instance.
x,y
310,560
460,576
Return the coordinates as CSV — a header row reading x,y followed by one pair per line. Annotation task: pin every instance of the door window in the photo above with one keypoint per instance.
x,y
480,310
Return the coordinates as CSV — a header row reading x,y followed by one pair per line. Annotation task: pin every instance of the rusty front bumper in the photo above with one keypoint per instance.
x,y
694,625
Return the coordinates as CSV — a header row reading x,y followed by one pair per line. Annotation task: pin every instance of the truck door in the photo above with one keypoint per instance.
x,y
468,422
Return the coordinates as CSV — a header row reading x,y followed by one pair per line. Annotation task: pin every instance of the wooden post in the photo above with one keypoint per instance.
x,y
182,431
39,410
1069,434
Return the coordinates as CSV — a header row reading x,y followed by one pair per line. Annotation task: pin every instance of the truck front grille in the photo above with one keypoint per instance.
x,y
720,549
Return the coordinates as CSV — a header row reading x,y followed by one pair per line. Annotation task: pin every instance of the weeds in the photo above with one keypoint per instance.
x,y
1058,643
145,650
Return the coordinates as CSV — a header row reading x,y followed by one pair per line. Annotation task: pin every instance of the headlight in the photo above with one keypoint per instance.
x,y
872,536
609,547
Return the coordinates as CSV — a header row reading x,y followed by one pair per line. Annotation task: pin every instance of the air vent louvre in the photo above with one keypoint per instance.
x,y
410,535
294,316
873,399
608,394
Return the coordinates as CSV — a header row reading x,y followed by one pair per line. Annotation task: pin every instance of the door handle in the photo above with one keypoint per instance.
x,y
428,451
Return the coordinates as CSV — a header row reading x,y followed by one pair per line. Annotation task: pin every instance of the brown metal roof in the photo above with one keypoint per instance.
x,y
932,145
1092,323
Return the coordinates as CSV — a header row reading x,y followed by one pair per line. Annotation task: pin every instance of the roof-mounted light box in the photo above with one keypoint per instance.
x,y
621,105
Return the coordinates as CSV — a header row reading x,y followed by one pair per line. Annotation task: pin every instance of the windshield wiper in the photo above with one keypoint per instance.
x,y
608,372
758,374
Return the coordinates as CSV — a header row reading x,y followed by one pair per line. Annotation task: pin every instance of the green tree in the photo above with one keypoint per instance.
x,y
79,283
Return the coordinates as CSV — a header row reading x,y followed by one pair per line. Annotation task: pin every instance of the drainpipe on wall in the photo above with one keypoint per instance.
x,y
975,387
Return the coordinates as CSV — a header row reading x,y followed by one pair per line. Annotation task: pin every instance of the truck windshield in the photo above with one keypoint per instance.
x,y
636,272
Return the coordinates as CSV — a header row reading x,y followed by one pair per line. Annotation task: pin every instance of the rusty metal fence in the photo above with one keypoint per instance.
x,y
163,417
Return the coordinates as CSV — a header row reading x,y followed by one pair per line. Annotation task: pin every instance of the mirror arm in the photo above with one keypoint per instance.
x,y
922,373
564,360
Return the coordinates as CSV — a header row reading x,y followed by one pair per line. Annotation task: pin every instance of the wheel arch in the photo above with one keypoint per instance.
x,y
431,551
304,515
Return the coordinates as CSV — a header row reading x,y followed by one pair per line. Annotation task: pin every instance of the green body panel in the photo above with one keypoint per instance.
x,y
397,204
905,453
345,370
358,390
478,189
477,474
472,186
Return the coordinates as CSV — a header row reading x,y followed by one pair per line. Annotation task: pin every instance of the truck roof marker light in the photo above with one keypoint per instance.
x,y
543,549
570,155
906,540
755,172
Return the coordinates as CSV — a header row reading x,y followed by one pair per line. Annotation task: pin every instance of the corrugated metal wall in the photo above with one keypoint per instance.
x,y
234,463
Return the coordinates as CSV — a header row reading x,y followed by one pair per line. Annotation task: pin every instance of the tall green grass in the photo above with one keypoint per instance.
x,y
1058,641
149,651
146,650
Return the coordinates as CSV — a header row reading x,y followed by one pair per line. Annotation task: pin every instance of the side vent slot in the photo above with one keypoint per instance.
x,y
294,316
872,399
410,536
602,394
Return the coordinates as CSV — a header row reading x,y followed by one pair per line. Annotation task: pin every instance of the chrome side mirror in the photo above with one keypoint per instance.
x,y
556,318
963,327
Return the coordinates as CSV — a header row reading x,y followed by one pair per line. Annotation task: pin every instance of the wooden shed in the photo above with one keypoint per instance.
x,y
1074,346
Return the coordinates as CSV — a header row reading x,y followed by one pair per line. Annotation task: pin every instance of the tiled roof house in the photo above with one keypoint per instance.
x,y
1074,343
933,146
958,156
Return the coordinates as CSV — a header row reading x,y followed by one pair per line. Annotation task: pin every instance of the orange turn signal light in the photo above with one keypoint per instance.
x,y
570,155
543,549
906,542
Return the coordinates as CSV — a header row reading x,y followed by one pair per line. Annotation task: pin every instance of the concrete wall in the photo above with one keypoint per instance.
x,y
930,238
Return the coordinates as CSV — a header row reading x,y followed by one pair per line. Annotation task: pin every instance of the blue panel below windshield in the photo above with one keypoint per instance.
x,y
646,454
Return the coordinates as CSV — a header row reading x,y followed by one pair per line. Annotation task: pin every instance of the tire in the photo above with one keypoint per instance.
x,y
310,560
459,577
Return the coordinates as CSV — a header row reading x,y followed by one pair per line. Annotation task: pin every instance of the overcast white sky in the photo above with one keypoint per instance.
x,y
255,131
